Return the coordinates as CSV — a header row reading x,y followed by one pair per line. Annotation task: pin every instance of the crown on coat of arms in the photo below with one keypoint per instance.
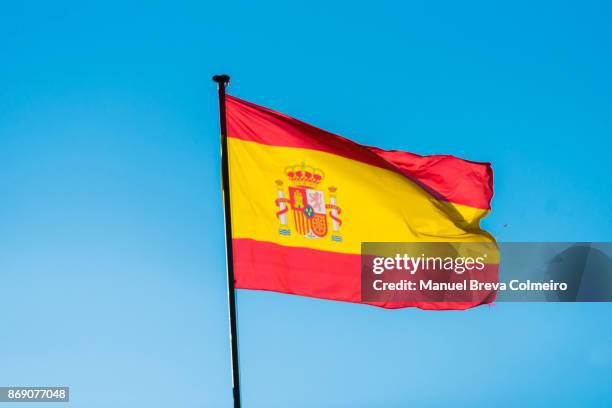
x,y
304,175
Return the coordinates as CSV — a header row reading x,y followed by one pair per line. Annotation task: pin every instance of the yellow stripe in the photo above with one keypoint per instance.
x,y
377,205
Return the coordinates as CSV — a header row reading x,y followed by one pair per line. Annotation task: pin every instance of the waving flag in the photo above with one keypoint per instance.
x,y
303,200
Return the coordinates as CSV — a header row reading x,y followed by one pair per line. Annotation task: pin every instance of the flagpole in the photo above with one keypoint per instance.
x,y
222,81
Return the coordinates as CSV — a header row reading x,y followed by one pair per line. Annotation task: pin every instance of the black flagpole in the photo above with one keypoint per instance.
x,y
222,81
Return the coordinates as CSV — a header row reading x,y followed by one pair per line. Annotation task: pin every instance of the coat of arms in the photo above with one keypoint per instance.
x,y
307,204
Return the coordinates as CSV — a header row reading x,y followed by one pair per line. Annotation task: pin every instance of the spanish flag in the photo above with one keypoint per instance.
x,y
303,200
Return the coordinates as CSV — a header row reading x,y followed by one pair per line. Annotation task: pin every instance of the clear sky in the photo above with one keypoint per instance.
x,y
111,227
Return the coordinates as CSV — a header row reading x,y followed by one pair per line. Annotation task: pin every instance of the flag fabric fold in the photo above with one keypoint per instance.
x,y
303,200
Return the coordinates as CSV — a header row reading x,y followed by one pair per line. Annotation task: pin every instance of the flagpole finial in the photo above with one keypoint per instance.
x,y
221,79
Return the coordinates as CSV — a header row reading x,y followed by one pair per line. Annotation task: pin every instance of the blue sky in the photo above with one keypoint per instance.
x,y
111,227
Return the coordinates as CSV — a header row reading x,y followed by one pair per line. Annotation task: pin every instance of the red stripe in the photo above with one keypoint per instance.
x,y
446,177
313,273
